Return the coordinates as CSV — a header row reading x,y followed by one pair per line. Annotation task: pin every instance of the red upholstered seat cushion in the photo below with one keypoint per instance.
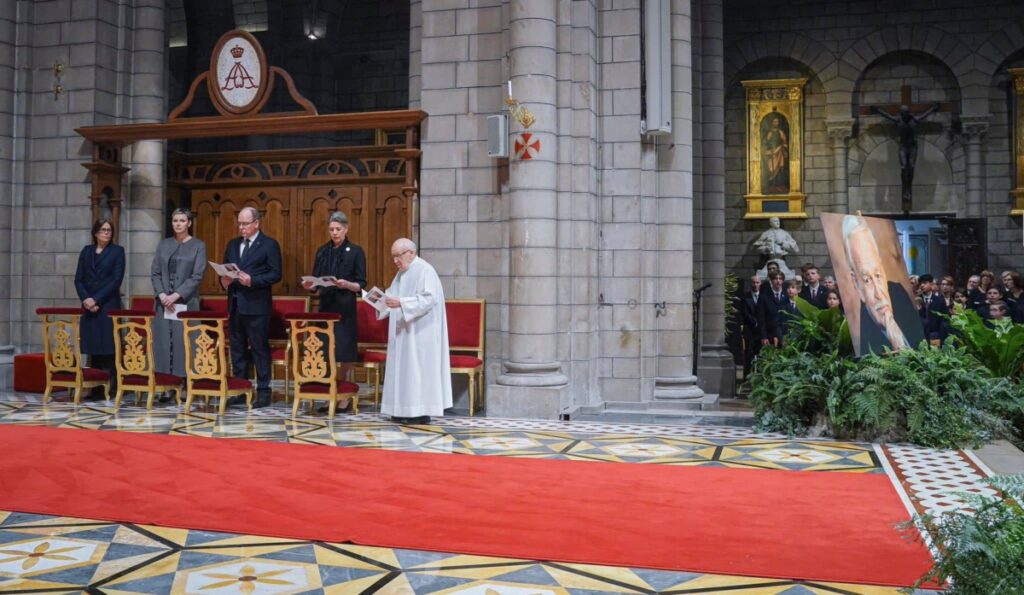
x,y
465,361
277,354
233,384
161,380
88,375
373,357
321,388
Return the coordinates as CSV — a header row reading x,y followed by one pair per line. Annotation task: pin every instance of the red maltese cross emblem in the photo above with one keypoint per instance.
x,y
527,147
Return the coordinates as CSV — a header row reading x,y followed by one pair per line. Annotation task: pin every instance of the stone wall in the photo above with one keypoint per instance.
x,y
856,54
112,59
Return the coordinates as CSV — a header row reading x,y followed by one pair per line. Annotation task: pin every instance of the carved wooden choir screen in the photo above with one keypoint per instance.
x,y
295,192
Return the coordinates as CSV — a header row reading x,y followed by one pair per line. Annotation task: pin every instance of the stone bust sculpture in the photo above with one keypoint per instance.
x,y
775,242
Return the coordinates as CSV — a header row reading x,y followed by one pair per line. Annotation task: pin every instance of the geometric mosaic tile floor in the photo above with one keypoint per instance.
x,y
49,554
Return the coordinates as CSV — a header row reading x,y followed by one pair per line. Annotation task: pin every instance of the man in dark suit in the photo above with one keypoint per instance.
x,y
769,308
933,305
888,318
813,291
751,332
258,258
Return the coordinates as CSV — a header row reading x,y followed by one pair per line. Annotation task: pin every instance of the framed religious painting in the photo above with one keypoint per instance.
x,y
775,149
1017,111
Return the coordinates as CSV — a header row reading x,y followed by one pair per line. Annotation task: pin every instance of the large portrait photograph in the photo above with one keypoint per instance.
x,y
873,283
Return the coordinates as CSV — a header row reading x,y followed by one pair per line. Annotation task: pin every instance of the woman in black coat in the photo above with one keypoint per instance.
x,y
98,283
345,261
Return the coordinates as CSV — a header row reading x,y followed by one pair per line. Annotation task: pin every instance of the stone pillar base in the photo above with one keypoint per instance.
x,y
682,388
527,402
717,371
6,368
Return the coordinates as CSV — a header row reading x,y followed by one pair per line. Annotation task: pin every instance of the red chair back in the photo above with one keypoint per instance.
x,y
143,302
283,305
371,332
465,324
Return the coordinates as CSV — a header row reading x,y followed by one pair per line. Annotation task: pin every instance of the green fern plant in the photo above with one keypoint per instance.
x,y
1000,349
980,551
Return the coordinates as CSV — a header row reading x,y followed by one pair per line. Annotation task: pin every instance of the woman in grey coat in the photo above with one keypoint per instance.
x,y
177,270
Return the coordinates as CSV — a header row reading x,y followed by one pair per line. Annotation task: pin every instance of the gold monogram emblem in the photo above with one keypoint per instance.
x,y
134,352
206,355
63,357
313,364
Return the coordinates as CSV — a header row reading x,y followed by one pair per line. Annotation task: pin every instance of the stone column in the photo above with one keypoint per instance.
x,y
675,385
143,189
8,27
839,131
716,368
974,128
532,383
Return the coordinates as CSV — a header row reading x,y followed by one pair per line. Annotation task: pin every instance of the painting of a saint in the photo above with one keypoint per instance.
x,y
775,153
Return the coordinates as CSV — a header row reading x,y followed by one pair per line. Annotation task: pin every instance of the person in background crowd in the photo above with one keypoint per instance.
x,y
813,292
751,332
933,309
988,279
946,289
833,301
975,296
98,283
768,311
176,272
992,296
997,311
1013,288
961,301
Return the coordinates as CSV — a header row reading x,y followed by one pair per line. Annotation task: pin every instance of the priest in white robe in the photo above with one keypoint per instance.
x,y
417,377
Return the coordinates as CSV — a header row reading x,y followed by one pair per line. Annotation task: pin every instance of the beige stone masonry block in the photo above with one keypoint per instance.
x,y
439,24
445,49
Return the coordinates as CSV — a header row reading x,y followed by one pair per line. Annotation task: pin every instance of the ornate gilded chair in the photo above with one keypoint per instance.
x,y
63,355
466,344
314,367
206,360
136,369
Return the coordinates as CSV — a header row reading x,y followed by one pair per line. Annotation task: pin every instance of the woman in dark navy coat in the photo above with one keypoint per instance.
x,y
98,282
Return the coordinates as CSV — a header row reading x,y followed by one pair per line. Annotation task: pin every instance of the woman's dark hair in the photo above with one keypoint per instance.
x,y
99,224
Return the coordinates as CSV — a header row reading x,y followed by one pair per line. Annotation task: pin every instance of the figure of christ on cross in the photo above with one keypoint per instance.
x,y
906,129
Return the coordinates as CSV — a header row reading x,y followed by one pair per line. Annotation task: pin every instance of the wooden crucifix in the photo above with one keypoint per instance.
x,y
906,121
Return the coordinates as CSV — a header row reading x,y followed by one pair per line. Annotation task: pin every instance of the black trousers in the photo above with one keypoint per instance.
x,y
250,344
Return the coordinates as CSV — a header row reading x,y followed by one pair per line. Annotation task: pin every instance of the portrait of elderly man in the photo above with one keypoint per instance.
x,y
888,319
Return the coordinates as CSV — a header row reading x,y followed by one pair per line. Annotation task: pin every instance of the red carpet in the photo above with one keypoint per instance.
x,y
797,525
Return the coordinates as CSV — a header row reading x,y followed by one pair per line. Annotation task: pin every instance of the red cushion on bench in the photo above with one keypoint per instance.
x,y
30,373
